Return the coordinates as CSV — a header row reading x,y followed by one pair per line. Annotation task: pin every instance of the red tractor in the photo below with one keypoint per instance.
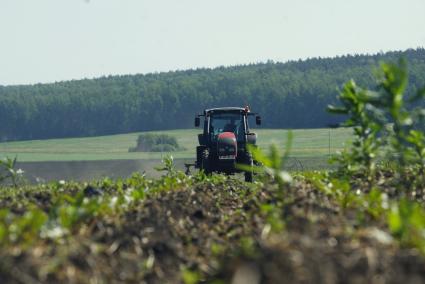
x,y
223,143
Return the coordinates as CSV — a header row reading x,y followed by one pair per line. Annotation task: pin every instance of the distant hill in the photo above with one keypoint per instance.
x,y
288,95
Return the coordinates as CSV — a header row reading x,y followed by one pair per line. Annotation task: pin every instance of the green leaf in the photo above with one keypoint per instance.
x,y
394,220
190,277
337,110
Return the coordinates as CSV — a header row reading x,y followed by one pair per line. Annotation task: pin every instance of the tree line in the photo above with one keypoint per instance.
x,y
288,95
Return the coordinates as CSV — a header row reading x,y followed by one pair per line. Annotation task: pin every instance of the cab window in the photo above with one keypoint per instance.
x,y
227,122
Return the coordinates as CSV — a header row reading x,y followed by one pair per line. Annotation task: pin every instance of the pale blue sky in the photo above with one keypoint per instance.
x,y
55,40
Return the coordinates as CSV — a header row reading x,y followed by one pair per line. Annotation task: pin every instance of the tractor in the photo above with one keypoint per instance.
x,y
223,143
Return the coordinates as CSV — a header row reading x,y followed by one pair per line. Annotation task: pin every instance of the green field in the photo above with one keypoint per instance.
x,y
306,143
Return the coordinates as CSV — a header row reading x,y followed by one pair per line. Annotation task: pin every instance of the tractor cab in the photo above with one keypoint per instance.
x,y
233,122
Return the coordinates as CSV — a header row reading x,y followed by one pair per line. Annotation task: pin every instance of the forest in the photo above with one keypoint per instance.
x,y
293,94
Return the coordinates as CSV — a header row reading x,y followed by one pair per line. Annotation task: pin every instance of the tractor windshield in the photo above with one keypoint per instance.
x,y
227,122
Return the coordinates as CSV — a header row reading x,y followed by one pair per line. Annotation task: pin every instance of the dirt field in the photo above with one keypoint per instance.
x,y
188,231
38,172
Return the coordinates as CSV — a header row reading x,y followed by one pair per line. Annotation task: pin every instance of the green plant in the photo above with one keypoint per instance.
x,y
190,276
172,178
270,165
375,203
71,210
344,194
337,188
407,140
273,217
269,169
362,116
21,229
370,112
8,171
406,221
167,165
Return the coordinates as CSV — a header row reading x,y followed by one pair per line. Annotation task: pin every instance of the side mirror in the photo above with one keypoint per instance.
x,y
258,120
197,121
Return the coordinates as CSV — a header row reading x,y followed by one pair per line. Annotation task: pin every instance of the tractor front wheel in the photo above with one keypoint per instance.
x,y
205,163
249,173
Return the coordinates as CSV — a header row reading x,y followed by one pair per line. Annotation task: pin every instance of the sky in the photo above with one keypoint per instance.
x,y
55,40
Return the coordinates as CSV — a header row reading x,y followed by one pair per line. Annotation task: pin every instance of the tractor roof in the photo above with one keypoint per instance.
x,y
225,109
